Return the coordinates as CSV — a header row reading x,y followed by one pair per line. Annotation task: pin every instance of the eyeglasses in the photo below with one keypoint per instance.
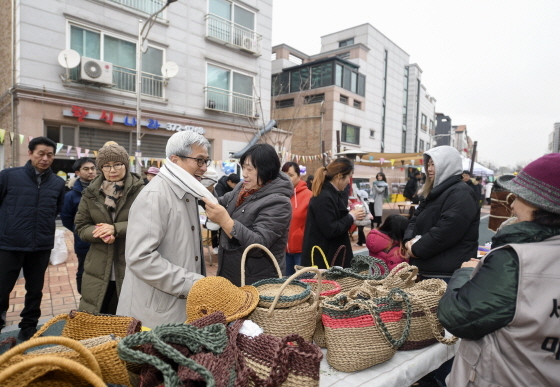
x,y
116,167
199,162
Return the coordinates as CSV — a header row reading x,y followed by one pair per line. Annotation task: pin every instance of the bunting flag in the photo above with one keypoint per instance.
x,y
131,158
69,149
412,162
159,163
2,134
58,147
87,153
21,138
392,162
95,153
381,160
12,134
29,138
79,151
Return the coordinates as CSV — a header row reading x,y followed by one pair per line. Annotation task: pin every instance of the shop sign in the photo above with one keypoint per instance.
x,y
81,113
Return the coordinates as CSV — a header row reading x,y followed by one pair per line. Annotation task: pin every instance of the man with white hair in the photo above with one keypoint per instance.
x,y
164,254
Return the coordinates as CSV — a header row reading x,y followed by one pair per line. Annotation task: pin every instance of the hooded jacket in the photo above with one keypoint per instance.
x,y
101,256
381,246
447,219
300,204
69,210
28,208
222,186
264,218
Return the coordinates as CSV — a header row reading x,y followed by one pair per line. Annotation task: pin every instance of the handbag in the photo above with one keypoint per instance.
x,y
360,332
311,275
363,268
68,374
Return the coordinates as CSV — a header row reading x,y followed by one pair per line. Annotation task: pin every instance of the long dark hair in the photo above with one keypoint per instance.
x,y
394,227
341,166
382,177
546,218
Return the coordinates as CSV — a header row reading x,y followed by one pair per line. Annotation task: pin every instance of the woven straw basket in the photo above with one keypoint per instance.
x,y
102,359
360,333
355,276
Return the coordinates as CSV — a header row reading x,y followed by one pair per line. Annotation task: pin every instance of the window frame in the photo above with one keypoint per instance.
x,y
232,9
230,92
346,42
344,136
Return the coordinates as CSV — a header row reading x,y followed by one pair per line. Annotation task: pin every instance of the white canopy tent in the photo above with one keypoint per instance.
x,y
478,170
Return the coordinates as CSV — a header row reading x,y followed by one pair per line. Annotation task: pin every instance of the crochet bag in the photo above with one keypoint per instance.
x,y
66,373
341,248
80,325
300,319
363,268
361,332
101,359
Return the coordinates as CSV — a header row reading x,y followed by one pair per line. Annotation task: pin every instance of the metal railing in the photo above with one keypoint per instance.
x,y
148,6
234,34
124,79
230,102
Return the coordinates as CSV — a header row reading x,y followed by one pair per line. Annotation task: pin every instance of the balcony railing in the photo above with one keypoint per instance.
x,y
225,31
124,79
230,102
148,6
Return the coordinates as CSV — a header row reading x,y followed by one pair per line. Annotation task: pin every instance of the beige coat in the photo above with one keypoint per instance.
x,y
164,255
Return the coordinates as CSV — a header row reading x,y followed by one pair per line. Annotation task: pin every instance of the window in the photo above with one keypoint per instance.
x,y
344,55
344,99
347,42
372,133
284,103
280,83
431,126
273,56
229,91
314,98
421,146
122,54
350,134
295,59
321,75
357,104
231,23
147,6
424,126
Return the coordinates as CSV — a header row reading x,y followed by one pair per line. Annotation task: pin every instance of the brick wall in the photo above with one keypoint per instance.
x,y
6,76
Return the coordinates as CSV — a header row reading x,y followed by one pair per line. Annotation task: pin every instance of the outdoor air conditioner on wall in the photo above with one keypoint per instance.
x,y
248,43
96,71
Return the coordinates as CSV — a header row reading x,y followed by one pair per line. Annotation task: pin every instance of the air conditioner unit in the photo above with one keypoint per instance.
x,y
96,71
248,43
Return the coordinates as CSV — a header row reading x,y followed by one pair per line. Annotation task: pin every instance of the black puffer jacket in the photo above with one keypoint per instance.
x,y
28,209
447,219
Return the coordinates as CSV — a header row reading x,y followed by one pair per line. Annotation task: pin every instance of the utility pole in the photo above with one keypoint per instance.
x,y
473,158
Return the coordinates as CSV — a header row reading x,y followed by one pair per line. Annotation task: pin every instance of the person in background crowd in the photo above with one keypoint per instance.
x,y
164,256
410,192
386,242
507,305
85,171
466,177
102,220
488,192
30,199
328,217
256,211
309,182
150,174
446,221
477,186
226,184
300,204
380,191
360,224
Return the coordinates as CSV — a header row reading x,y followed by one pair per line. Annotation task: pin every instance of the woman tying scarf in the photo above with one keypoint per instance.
x,y
380,191
256,211
102,220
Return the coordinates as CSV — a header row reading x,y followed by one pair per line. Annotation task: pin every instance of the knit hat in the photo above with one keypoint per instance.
x,y
213,294
112,151
152,171
538,183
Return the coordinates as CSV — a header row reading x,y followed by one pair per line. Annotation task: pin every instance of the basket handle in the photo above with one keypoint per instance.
x,y
60,340
244,259
290,279
52,321
372,262
434,323
322,254
382,328
336,255
63,363
403,276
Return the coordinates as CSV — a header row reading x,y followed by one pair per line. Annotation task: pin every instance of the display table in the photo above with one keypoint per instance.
x,y
405,368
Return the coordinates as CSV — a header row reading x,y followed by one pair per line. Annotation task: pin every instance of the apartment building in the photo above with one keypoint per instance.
x,y
221,50
554,139
360,93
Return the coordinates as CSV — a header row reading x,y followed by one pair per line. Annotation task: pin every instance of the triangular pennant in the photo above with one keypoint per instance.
x,y
58,147
2,134
68,150
29,138
392,162
381,160
412,162
159,163
95,153
12,134
21,138
79,151
86,153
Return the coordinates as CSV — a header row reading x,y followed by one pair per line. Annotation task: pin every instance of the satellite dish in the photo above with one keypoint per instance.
x,y
169,69
69,59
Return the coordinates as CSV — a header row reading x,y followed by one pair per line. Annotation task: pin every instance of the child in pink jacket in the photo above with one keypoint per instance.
x,y
386,242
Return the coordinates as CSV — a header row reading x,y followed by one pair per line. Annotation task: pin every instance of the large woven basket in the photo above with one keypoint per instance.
x,y
363,268
102,359
300,319
361,333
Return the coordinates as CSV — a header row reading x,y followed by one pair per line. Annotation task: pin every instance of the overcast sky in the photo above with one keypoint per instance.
x,y
492,65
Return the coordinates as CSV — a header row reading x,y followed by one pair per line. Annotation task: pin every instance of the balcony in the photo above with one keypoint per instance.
x,y
147,6
124,79
226,32
229,102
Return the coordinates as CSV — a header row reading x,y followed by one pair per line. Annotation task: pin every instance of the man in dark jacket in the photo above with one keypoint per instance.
x,y
411,188
30,198
226,184
85,172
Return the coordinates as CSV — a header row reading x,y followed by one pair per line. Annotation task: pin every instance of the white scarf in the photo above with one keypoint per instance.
x,y
186,181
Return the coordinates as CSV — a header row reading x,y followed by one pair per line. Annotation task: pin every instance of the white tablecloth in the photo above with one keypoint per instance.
x,y
405,368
